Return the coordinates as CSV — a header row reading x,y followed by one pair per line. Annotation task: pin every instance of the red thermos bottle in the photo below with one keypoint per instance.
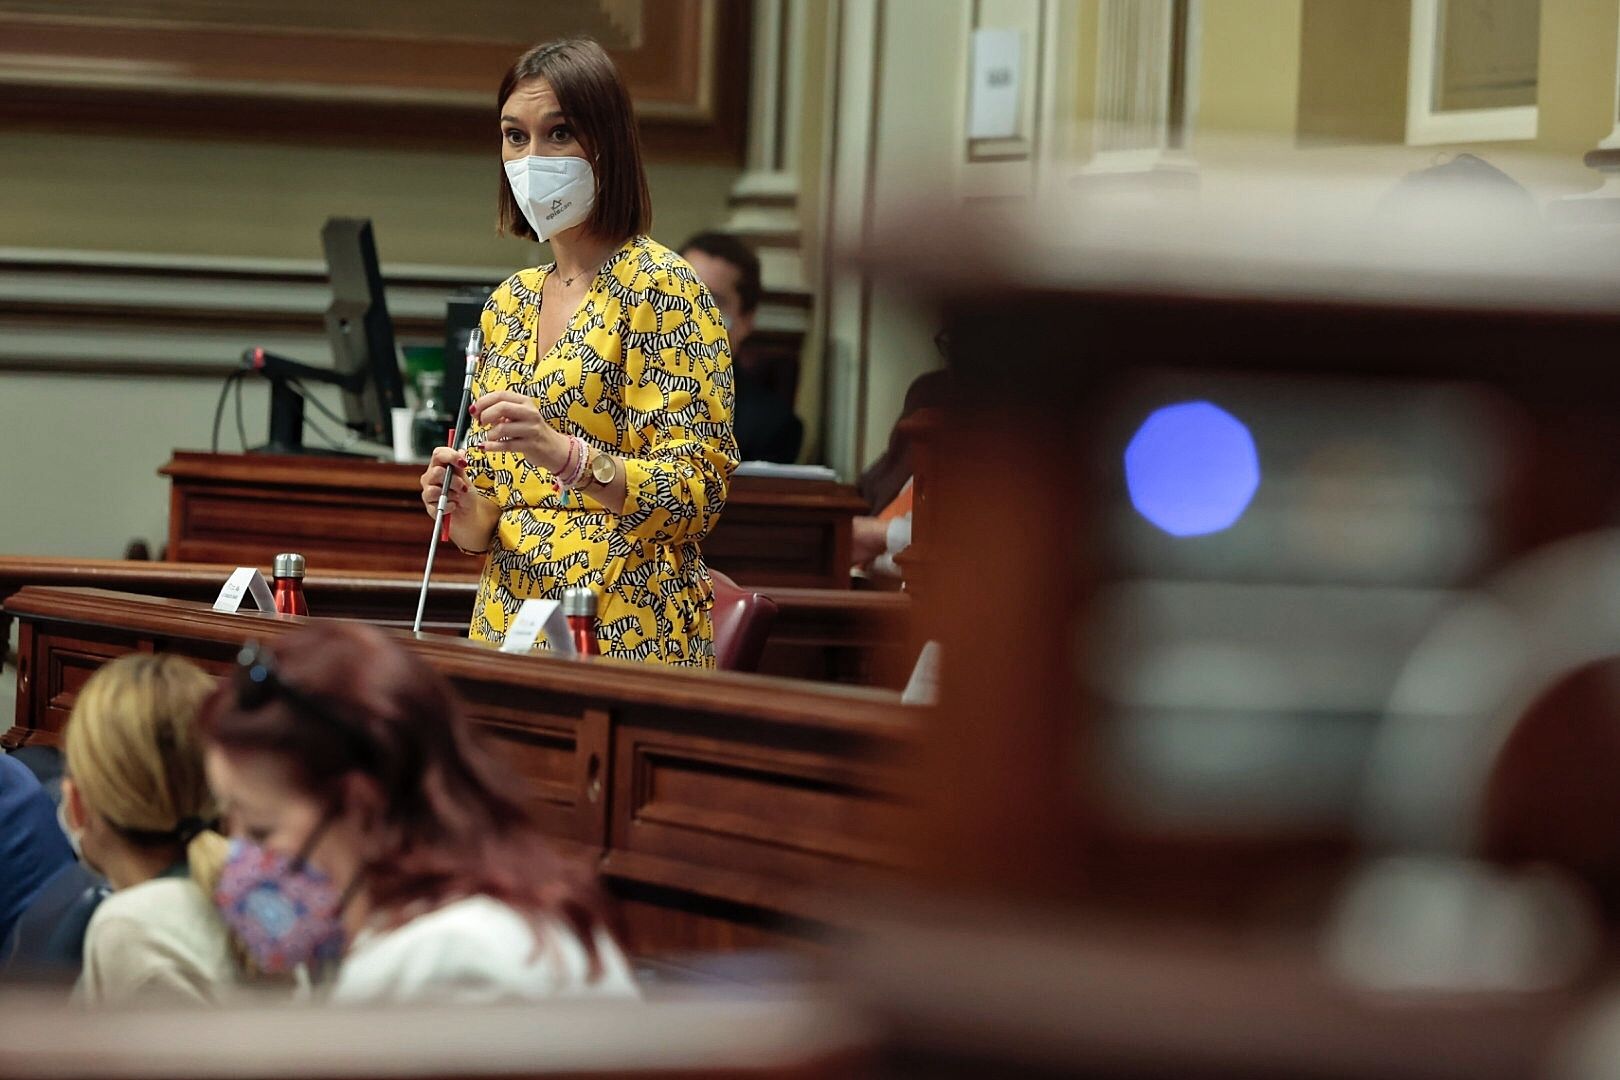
x,y
289,589
579,608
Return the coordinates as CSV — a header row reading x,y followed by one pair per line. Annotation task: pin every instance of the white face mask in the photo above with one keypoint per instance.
x,y
554,193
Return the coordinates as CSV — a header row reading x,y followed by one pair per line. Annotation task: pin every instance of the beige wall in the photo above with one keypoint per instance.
x,y
902,152
256,200
920,124
1328,76
812,151
1249,66
1353,70
1577,74
99,441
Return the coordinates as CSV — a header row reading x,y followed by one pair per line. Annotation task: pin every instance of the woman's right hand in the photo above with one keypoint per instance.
x,y
446,460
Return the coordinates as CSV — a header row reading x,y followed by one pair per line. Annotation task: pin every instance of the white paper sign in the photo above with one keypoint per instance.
x,y
923,686
536,617
998,60
245,581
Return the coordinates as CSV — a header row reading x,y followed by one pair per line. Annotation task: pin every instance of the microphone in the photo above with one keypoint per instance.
x,y
475,350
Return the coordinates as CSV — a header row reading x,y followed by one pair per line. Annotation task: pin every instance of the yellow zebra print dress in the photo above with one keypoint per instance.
x,y
643,371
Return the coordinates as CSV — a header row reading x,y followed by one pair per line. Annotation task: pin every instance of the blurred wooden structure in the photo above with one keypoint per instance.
x,y
790,1037
347,514
1039,789
1049,889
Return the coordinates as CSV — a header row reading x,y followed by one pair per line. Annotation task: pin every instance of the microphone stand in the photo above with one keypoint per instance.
x,y
475,349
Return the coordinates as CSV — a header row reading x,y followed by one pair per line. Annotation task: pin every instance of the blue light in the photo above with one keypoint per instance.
x,y
1191,469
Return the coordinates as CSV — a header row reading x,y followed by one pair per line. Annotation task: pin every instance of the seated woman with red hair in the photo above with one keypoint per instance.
x,y
373,832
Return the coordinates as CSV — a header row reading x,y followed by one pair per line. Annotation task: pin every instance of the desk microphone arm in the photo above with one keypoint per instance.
x,y
475,349
286,401
280,368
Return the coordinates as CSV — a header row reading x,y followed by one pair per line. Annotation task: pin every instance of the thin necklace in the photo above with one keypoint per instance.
x,y
569,281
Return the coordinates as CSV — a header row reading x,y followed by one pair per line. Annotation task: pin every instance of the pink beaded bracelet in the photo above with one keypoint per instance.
x,y
568,462
576,472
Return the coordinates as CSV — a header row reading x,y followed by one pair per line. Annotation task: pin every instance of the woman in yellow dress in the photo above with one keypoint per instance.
x,y
601,446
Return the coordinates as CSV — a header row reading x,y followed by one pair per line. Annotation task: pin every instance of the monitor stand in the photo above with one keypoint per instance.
x,y
287,424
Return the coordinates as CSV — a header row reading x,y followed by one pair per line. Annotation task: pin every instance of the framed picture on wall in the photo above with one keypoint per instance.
x,y
1474,71
418,71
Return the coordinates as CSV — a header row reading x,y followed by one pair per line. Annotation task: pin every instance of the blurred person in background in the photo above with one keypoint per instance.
x,y
136,805
371,830
887,483
1428,209
602,446
33,848
765,425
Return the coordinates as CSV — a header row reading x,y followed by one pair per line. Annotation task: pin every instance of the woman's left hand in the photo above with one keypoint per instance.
x,y
516,426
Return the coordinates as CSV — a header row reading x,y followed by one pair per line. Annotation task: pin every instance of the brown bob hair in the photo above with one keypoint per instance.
x,y
339,698
597,106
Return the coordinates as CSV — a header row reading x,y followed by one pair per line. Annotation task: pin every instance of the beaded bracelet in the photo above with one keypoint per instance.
x,y
576,474
568,462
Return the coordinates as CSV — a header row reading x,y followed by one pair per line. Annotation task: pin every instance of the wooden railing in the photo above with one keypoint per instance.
x,y
827,635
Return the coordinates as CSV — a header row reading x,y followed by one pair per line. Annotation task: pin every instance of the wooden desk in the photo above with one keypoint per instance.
x,y
345,513
718,806
825,635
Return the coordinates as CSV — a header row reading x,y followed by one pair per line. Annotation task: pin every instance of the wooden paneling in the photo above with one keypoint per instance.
x,y
344,514
655,921
713,800
785,532
784,805
341,514
60,673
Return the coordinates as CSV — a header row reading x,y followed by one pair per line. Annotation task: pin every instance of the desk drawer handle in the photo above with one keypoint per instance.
x,y
593,777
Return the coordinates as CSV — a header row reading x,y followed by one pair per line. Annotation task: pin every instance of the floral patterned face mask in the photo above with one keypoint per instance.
x,y
283,911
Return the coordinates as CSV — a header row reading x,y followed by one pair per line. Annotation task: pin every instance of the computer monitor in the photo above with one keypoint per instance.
x,y
365,364
358,326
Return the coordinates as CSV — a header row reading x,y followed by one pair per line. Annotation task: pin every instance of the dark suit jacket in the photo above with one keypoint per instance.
x,y
764,424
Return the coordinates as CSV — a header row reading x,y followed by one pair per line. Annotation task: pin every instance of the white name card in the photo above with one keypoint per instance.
x,y
536,617
245,581
923,686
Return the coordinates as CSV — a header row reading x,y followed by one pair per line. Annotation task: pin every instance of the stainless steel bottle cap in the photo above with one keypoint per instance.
x,y
289,565
579,601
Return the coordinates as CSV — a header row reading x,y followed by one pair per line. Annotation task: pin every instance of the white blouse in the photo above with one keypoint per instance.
x,y
157,942
474,951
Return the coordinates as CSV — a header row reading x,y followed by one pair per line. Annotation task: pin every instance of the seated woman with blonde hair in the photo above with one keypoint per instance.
x,y
136,806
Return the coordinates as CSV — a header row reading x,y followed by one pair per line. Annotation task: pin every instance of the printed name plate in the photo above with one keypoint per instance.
x,y
245,581
536,617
